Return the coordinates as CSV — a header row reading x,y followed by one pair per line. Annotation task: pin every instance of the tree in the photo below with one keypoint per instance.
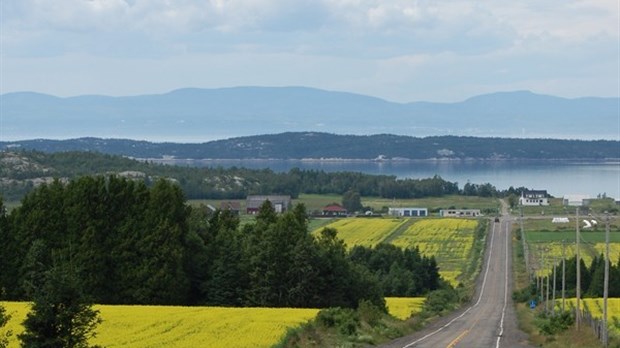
x,y
60,315
352,201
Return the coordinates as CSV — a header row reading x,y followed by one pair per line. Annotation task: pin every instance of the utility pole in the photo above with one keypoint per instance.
x,y
547,295
553,300
606,281
578,285
563,275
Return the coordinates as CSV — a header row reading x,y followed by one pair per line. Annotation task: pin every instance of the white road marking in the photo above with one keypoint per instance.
x,y
484,281
501,322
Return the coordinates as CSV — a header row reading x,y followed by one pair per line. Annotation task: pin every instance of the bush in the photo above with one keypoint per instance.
x,y
524,295
370,313
550,325
439,301
345,320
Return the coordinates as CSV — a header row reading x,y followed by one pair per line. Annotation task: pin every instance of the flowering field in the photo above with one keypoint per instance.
x,y
550,243
449,240
169,326
595,307
404,307
367,232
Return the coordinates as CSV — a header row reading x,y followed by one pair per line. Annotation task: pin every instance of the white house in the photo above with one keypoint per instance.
x,y
408,212
533,198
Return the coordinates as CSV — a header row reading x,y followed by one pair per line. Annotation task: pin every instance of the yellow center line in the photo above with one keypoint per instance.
x,y
458,339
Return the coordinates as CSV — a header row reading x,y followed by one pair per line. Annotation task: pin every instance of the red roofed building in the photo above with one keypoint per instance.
x,y
334,209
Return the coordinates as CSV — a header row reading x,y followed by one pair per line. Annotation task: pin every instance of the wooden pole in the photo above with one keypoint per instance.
x,y
563,276
578,285
553,298
606,281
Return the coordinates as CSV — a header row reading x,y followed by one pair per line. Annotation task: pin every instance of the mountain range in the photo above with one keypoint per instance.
x,y
199,115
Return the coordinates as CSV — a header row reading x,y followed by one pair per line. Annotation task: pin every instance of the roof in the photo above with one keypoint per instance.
x,y
254,202
334,207
230,205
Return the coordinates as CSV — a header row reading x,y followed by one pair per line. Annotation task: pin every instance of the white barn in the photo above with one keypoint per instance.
x,y
408,212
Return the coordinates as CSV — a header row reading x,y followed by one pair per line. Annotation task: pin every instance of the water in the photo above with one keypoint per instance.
x,y
558,178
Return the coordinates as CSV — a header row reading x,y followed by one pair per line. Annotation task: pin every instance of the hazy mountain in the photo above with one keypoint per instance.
x,y
196,115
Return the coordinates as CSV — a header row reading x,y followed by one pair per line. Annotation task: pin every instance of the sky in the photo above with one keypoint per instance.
x,y
403,51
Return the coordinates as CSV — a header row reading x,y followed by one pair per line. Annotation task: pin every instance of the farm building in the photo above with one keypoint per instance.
x,y
334,209
459,212
533,198
576,200
234,207
408,211
279,203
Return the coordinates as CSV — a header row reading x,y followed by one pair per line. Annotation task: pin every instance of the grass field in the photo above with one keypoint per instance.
x,y
169,326
404,307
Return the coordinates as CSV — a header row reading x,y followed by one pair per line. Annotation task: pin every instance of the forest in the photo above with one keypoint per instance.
x,y
299,145
129,243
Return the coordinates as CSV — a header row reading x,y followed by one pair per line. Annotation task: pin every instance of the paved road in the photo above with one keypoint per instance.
x,y
489,321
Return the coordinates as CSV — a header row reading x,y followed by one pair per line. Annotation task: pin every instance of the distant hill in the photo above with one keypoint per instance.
x,y
306,145
206,114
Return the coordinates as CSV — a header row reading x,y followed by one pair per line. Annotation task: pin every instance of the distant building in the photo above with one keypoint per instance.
x,y
576,200
279,203
534,198
334,209
408,212
459,212
232,206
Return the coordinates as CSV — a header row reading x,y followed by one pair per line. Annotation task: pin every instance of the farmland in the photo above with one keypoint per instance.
x,y
449,240
550,243
364,232
404,307
595,307
169,326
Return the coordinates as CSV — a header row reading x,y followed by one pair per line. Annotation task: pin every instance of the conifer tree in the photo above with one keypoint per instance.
x,y
60,315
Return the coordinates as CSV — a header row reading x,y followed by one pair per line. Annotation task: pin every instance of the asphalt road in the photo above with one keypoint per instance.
x,y
490,320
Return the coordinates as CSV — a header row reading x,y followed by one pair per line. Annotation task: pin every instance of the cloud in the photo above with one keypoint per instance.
x,y
399,49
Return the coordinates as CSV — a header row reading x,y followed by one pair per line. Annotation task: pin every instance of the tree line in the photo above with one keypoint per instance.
x,y
225,183
129,243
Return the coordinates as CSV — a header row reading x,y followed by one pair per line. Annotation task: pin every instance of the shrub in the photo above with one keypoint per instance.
x,y
550,325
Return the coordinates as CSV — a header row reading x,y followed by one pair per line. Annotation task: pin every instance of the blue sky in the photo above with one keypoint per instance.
x,y
397,50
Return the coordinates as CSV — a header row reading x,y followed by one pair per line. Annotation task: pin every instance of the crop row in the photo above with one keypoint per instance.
x,y
171,326
448,240
366,232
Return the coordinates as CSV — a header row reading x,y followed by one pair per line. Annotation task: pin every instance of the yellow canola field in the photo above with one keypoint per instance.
x,y
172,326
404,307
614,251
595,307
449,240
366,232
553,251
